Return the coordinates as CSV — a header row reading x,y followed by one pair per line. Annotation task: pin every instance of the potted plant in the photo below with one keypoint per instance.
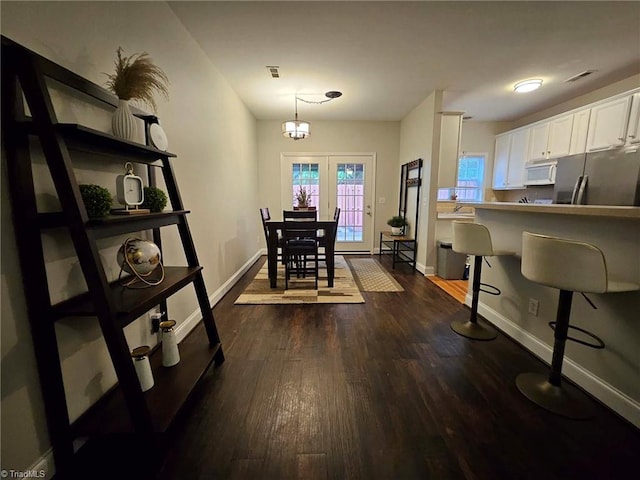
x,y
303,199
135,78
97,200
154,199
397,224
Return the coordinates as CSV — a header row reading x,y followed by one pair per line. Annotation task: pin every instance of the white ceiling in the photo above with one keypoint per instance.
x,y
386,57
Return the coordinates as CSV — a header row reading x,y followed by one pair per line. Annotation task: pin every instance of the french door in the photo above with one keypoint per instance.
x,y
335,180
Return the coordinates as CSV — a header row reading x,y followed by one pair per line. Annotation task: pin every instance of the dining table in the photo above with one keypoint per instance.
x,y
329,227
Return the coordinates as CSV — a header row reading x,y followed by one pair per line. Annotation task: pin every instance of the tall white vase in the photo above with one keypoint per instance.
x,y
143,367
123,122
170,352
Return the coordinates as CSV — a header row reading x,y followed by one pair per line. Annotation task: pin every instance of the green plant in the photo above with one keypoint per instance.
x,y
397,221
154,199
302,197
97,200
137,78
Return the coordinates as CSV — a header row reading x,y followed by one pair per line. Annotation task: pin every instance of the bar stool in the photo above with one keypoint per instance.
x,y
569,266
475,239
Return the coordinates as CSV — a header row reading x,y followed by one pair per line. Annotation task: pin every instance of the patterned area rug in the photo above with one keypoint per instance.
x,y
302,290
372,277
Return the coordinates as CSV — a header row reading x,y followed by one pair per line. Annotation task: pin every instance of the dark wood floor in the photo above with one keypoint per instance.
x,y
383,390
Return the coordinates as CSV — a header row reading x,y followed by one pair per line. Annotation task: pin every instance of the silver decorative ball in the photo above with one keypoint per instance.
x,y
142,256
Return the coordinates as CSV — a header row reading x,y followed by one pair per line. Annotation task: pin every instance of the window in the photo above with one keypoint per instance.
x,y
305,175
470,182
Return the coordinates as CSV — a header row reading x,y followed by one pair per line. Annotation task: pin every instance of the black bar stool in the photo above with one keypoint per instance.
x,y
569,266
475,239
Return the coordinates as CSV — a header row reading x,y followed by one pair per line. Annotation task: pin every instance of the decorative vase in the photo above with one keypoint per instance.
x,y
143,367
123,122
396,230
170,352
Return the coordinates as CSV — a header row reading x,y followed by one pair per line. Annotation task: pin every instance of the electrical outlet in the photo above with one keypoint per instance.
x,y
156,318
533,306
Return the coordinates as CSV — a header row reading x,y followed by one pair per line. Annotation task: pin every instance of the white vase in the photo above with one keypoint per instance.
x,y
396,230
143,368
170,352
123,122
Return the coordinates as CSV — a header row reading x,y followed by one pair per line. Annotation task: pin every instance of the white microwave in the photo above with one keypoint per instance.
x,y
540,173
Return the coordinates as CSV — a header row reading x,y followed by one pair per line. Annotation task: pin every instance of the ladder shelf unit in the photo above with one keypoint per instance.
x,y
125,408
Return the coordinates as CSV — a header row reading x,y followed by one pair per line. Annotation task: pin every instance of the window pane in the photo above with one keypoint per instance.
x,y
350,199
470,178
305,175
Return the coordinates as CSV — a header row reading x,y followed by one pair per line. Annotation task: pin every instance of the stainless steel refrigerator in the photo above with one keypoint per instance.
x,y
609,177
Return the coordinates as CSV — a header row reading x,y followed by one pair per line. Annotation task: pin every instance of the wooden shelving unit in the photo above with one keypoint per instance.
x,y
125,408
403,248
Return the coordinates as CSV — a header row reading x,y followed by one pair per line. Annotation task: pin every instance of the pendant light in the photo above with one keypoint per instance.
x,y
299,129
296,129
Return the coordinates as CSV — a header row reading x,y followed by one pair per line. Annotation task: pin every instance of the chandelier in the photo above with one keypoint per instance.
x,y
299,129
296,129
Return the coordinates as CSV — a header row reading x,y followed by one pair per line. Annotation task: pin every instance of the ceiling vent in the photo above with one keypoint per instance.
x,y
579,76
273,70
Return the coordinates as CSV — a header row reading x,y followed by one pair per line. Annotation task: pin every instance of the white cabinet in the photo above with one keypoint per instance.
x,y
560,131
608,124
551,139
451,129
579,131
633,132
501,161
517,158
510,157
539,137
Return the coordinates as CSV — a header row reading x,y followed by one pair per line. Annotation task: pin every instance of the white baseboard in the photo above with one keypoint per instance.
x,y
610,396
192,320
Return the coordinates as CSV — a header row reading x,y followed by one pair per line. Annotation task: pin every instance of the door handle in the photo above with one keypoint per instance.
x,y
369,210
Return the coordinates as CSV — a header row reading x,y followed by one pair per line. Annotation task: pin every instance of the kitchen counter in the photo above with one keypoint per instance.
x,y
583,210
611,374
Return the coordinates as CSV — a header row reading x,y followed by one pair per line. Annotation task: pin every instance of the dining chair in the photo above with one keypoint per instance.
x,y
265,217
300,249
323,240
309,215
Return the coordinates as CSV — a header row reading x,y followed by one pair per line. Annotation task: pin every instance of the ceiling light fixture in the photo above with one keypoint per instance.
x,y
527,85
296,129
299,129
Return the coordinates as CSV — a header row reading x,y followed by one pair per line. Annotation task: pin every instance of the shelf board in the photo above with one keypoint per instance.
x,y
117,224
87,139
171,390
130,303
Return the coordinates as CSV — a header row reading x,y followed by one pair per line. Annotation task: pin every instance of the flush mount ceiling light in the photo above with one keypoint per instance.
x,y
299,129
527,85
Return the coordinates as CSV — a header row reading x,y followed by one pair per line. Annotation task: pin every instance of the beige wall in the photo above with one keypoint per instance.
x,y
420,138
383,138
214,136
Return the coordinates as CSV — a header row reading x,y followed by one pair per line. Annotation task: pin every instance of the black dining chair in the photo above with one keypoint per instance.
x,y
300,249
309,215
265,217
323,240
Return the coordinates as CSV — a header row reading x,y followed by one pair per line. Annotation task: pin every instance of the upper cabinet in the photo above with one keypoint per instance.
x,y
579,131
608,124
451,128
551,139
510,158
633,132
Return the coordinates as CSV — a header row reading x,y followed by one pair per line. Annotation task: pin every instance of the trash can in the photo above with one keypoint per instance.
x,y
451,264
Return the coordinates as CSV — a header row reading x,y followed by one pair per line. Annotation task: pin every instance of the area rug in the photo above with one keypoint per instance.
x,y
372,277
302,290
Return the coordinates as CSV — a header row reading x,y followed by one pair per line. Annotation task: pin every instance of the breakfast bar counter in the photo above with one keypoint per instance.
x,y
582,210
612,374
